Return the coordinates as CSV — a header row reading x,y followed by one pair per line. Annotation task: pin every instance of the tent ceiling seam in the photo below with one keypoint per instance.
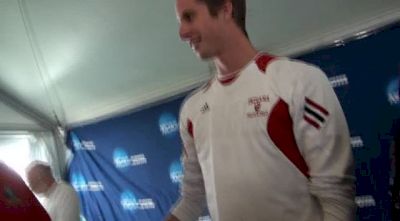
x,y
52,98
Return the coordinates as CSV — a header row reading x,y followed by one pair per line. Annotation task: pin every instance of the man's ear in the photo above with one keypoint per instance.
x,y
227,9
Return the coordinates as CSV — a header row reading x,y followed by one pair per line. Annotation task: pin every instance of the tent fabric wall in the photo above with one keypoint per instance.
x,y
128,167
46,143
12,120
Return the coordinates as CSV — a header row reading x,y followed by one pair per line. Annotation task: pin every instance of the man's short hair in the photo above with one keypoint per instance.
x,y
38,164
238,14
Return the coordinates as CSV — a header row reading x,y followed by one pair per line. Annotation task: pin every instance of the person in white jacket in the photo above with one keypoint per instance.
x,y
265,138
60,199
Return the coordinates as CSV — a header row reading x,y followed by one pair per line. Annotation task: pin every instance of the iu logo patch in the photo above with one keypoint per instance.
x,y
257,104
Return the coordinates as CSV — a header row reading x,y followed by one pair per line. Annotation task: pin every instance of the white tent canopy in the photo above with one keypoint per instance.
x,y
12,120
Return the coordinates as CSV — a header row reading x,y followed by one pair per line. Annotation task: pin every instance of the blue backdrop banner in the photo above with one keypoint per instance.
x,y
128,168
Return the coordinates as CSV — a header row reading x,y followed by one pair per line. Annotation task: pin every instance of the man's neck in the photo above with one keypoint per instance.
x,y
237,53
50,186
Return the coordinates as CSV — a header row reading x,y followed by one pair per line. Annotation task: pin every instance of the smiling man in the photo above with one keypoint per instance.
x,y
265,138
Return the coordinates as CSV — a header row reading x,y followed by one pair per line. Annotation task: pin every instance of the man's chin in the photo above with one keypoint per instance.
x,y
203,56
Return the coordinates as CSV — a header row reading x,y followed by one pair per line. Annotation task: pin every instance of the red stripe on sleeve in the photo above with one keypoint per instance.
x,y
311,121
317,106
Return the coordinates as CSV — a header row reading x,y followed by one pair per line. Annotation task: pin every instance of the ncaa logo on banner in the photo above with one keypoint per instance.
x,y
78,181
129,202
356,142
168,125
365,201
80,184
176,172
339,80
76,143
84,145
122,159
204,218
392,92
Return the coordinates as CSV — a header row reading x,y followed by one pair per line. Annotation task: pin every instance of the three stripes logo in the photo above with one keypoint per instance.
x,y
314,113
204,108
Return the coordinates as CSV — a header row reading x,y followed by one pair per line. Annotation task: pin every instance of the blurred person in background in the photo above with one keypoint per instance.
x,y
60,199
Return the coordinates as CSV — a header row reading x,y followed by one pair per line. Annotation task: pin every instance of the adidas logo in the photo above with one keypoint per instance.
x,y
204,108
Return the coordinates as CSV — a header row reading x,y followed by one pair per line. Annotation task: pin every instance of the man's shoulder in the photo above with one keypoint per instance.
x,y
62,185
196,95
285,63
288,69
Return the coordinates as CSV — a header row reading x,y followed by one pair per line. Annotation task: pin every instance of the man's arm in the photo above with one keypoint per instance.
x,y
323,138
69,209
192,201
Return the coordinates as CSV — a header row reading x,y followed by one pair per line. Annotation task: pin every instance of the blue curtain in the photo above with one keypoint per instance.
x,y
128,168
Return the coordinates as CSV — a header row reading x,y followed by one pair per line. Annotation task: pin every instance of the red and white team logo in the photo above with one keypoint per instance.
x,y
257,104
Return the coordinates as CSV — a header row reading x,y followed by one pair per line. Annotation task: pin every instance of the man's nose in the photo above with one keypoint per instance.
x,y
184,32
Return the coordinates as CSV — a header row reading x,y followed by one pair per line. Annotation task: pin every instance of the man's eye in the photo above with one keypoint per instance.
x,y
188,17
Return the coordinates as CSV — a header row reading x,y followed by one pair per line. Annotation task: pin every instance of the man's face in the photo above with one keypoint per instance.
x,y
36,182
197,27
